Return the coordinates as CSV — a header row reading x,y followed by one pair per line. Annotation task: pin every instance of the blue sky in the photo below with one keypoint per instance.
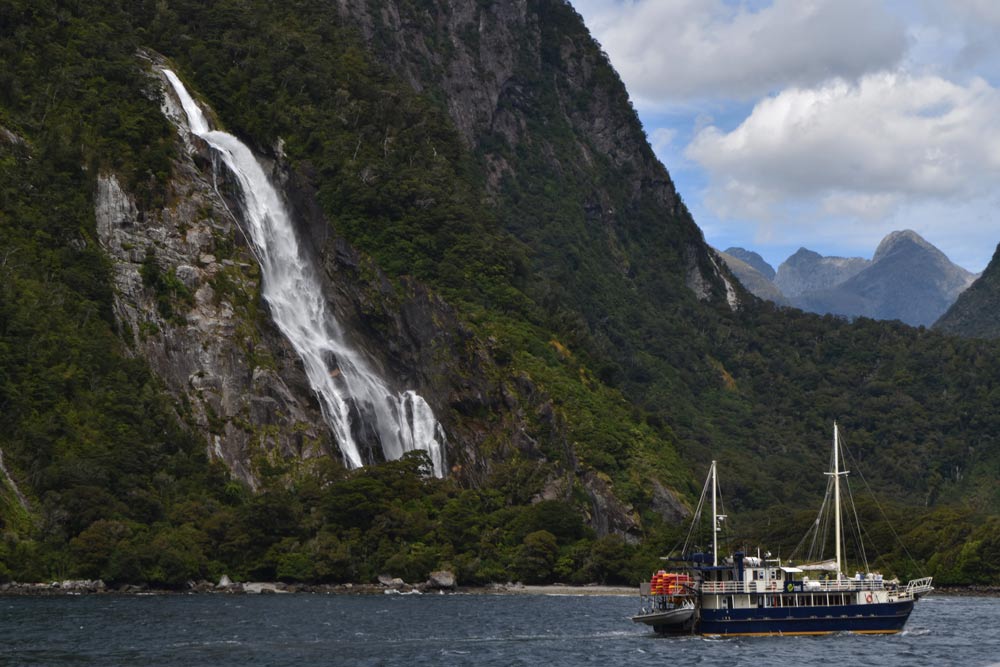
x,y
820,123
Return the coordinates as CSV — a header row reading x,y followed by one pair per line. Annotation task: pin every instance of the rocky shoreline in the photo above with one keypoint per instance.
x,y
98,587
439,583
975,590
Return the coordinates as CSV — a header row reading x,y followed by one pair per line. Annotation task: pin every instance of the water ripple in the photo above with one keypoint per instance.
x,y
302,630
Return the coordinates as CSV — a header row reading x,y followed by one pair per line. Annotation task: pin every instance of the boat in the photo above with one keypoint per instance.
x,y
751,595
668,603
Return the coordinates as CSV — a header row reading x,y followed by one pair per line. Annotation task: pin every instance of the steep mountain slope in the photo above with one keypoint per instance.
x,y
401,186
611,282
908,279
187,298
551,125
519,407
494,229
976,313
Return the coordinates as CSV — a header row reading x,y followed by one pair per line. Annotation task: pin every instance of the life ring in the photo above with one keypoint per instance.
x,y
790,587
868,597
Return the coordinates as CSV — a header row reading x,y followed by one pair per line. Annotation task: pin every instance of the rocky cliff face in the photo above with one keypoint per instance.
x,y
539,106
976,313
187,299
421,342
533,59
469,50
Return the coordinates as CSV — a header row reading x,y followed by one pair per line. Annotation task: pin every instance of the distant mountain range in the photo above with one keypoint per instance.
x,y
907,279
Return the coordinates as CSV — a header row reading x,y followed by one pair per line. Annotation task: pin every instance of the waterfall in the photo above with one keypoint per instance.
x,y
356,403
13,485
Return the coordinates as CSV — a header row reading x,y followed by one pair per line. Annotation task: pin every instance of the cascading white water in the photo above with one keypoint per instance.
x,y
357,404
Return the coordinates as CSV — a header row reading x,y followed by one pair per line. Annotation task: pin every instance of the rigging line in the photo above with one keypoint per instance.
x,y
804,538
858,528
812,530
822,519
853,528
725,526
885,516
823,523
821,531
696,519
868,537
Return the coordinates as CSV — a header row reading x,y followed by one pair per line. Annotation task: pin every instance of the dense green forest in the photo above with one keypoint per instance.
x,y
650,382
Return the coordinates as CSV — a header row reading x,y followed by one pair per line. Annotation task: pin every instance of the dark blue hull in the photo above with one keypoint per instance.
x,y
884,618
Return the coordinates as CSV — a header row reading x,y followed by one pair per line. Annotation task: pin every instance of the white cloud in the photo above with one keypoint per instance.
x,y
860,205
675,50
970,26
824,123
856,148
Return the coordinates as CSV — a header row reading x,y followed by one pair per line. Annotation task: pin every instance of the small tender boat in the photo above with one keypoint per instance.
x,y
668,603
671,620
752,595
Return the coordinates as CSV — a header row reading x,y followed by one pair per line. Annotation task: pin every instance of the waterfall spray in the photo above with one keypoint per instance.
x,y
356,403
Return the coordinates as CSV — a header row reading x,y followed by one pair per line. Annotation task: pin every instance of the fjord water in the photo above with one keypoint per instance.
x,y
480,630
356,402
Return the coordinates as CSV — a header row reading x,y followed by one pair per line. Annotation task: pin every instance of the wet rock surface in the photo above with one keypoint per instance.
x,y
187,299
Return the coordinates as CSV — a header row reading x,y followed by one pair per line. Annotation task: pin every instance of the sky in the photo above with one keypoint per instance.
x,y
823,124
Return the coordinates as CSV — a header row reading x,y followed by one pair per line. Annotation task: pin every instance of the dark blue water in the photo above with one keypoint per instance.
x,y
479,630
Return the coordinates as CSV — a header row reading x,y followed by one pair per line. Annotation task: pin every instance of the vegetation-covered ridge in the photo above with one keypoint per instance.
x,y
125,493
549,228
975,313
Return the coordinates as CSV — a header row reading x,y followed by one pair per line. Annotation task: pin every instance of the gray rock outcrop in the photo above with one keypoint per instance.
x,y
187,300
442,579
505,47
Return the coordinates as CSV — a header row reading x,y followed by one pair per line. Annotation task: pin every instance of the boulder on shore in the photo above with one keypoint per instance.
x,y
258,587
442,579
389,580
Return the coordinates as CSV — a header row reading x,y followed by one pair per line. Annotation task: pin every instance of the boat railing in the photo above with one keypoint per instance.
x,y
808,586
919,586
